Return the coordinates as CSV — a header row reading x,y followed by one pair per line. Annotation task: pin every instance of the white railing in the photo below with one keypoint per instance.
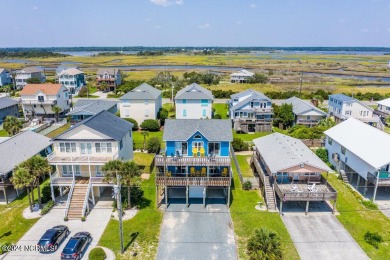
x,y
85,206
95,158
69,197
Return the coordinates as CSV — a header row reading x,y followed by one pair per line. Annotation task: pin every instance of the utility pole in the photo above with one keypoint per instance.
x,y
300,87
119,207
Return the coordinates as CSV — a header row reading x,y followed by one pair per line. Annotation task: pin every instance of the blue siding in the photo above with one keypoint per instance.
x,y
225,149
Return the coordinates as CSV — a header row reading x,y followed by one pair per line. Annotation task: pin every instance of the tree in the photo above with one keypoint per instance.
x,y
162,114
258,78
133,121
285,115
12,125
264,244
144,134
150,125
239,145
21,179
57,110
153,145
322,153
103,86
33,81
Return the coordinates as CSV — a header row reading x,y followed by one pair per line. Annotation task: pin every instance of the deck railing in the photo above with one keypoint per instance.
x,y
191,161
95,158
69,198
192,181
306,195
380,181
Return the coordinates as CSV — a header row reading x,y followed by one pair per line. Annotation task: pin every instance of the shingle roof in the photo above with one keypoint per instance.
x,y
342,97
253,95
367,142
384,102
19,148
301,106
281,152
7,102
47,88
105,123
243,73
211,129
30,70
91,107
2,70
71,71
194,91
143,91
110,71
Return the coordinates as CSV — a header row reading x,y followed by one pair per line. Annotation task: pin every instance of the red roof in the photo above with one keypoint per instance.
x,y
48,89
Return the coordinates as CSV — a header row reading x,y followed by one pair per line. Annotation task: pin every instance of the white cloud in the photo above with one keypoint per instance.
x,y
35,8
253,5
204,26
365,30
167,2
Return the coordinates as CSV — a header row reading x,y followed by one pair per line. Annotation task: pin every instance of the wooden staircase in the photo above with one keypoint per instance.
x,y
344,176
75,210
269,194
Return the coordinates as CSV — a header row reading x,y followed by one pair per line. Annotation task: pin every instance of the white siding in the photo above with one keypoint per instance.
x,y
139,109
193,108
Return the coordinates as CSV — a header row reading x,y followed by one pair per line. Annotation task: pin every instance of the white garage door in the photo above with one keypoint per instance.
x,y
196,192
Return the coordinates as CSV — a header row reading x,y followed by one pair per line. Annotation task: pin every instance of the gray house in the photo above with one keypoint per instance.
x,y
8,107
86,108
305,112
14,151
5,77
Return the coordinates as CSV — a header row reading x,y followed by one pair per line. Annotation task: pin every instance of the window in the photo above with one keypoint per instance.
x,y
197,145
330,141
146,112
103,147
41,98
343,150
146,101
67,147
348,112
214,148
184,112
121,145
204,112
184,101
98,169
204,102
235,100
126,103
181,147
197,137
86,148
180,169
68,170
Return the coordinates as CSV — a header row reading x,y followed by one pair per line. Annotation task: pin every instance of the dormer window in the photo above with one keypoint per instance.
x,y
198,137
41,98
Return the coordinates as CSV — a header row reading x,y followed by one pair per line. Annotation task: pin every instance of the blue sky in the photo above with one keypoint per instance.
x,y
41,23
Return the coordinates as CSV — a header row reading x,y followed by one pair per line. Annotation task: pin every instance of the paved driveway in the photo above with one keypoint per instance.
x,y
197,233
95,224
321,236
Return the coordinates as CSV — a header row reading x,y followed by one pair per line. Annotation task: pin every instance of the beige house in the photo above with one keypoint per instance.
x,y
79,154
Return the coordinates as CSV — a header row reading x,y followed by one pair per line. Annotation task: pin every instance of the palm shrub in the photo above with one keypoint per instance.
x,y
12,125
247,185
153,145
57,110
150,125
264,244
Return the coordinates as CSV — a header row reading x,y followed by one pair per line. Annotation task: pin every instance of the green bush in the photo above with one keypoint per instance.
x,y
47,207
369,204
217,116
150,125
3,247
83,219
373,238
264,244
247,185
66,219
134,122
97,254
322,153
239,145
162,114
153,145
46,193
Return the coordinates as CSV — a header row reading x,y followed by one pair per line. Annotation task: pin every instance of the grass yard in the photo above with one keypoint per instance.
x,y
58,131
144,160
221,109
139,139
244,165
141,233
246,219
3,133
169,106
358,220
387,130
250,137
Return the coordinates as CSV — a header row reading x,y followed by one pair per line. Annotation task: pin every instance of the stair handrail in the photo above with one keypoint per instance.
x,y
86,198
69,197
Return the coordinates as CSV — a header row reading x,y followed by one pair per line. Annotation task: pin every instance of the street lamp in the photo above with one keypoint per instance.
x,y
117,195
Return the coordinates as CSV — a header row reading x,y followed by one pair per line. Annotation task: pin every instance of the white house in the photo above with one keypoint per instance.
x,y
358,148
241,76
342,107
72,78
251,111
141,103
39,99
384,107
305,112
194,102
27,73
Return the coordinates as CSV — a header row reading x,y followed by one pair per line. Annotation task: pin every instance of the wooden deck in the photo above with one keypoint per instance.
x,y
192,181
55,158
301,192
191,161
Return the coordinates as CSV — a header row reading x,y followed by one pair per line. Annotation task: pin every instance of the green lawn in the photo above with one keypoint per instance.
x,y
250,137
3,133
144,160
358,220
171,112
13,225
58,131
139,139
141,233
387,129
246,219
244,165
221,109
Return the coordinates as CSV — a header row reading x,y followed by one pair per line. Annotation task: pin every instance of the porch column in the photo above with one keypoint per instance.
x,y
281,207
5,194
365,187
376,186
166,196
74,177
186,196
307,207
334,206
204,197
350,181
93,196
228,200
61,192
52,193
358,182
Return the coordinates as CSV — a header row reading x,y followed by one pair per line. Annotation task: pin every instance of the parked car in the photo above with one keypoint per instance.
x,y
76,246
52,238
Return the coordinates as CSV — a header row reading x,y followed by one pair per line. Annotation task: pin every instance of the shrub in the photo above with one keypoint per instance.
x,y
3,247
373,238
162,114
264,244
247,185
239,145
83,91
150,125
97,254
46,193
153,145
134,122
47,207
217,116
369,204
66,219
322,153
82,219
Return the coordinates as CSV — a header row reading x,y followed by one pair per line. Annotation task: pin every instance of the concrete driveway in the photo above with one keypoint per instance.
x,y
95,224
197,233
321,236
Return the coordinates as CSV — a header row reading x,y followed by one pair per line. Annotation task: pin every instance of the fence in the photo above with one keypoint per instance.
x,y
53,127
233,156
314,142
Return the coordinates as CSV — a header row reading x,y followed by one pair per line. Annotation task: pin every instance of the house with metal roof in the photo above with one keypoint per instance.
x,y
28,73
72,78
289,169
14,151
8,107
141,103
342,107
85,108
196,162
80,153
251,111
5,77
305,112
194,102
241,76
39,100
111,77
358,149
383,107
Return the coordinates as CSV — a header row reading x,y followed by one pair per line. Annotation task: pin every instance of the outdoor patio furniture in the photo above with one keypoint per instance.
x,y
204,172
294,188
225,172
312,188
169,174
192,171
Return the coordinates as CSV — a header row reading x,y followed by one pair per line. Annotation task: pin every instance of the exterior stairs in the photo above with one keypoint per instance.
x,y
269,194
344,176
75,210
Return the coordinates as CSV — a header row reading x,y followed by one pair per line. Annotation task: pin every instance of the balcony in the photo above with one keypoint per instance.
x,y
57,179
55,158
192,181
191,161
380,178
39,102
307,122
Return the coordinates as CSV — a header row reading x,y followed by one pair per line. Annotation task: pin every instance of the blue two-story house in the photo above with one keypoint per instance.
x,y
196,162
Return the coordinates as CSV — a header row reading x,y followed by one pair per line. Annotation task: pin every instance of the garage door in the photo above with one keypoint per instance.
x,y
196,192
